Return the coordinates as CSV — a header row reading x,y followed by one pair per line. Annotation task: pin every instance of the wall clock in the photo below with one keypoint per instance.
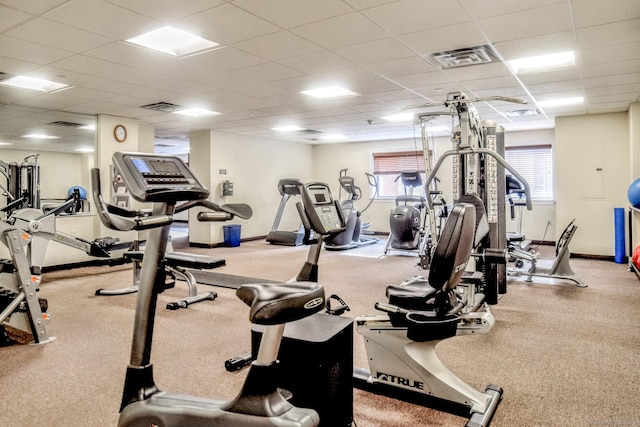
x,y
120,133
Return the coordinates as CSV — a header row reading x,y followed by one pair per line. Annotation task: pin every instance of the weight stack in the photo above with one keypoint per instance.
x,y
316,366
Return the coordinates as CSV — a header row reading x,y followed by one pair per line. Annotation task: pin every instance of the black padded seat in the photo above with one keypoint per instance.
x,y
182,259
273,304
414,296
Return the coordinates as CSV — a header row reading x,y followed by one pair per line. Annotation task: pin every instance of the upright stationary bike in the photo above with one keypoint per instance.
x,y
165,181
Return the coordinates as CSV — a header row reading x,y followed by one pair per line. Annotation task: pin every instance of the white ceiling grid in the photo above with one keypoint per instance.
x,y
273,49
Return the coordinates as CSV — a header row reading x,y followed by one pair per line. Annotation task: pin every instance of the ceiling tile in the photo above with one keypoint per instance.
x,y
493,8
318,62
268,71
611,69
30,52
402,67
618,52
91,66
11,18
278,46
538,45
560,75
453,37
608,90
226,58
340,31
366,4
166,10
555,18
407,16
556,87
588,13
609,34
293,13
387,49
226,25
34,7
101,18
476,72
74,40
617,80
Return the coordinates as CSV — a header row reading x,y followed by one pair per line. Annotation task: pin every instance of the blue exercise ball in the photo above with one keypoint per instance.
x,y
633,194
81,190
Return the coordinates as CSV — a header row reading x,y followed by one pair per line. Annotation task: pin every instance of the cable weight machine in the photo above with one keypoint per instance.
x,y
23,184
478,168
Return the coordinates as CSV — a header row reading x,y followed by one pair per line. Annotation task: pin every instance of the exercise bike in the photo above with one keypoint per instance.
x,y
407,221
401,344
165,181
352,237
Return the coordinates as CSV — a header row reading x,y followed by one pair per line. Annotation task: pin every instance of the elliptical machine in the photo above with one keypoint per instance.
x,y
351,237
408,218
165,181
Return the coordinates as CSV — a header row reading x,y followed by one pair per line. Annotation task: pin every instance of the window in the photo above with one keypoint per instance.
x,y
388,165
535,164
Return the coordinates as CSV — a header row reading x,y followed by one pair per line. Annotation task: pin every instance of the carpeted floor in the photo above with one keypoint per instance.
x,y
565,356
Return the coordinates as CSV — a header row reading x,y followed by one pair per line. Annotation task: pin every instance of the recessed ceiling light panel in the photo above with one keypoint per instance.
x,y
197,112
40,136
33,83
551,61
173,41
561,102
288,128
400,117
329,92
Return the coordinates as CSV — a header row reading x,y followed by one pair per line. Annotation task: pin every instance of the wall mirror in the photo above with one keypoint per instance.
x,y
60,143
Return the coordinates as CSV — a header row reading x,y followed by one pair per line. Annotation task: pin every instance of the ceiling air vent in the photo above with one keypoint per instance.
x,y
165,107
62,123
464,57
308,132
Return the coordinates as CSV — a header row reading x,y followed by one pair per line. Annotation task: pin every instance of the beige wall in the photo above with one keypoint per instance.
x,y
592,177
634,166
254,166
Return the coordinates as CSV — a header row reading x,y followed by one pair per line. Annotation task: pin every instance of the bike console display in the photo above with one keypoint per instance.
x,y
152,178
325,215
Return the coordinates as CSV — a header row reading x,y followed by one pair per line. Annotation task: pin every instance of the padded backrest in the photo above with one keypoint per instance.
x,y
482,223
454,248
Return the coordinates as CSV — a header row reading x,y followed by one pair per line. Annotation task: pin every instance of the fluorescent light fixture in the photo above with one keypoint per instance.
x,y
84,150
288,128
561,102
543,62
333,137
520,113
88,127
400,117
6,143
197,112
40,136
173,41
33,83
329,92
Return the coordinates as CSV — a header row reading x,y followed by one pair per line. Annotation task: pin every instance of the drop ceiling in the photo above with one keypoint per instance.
x,y
271,50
